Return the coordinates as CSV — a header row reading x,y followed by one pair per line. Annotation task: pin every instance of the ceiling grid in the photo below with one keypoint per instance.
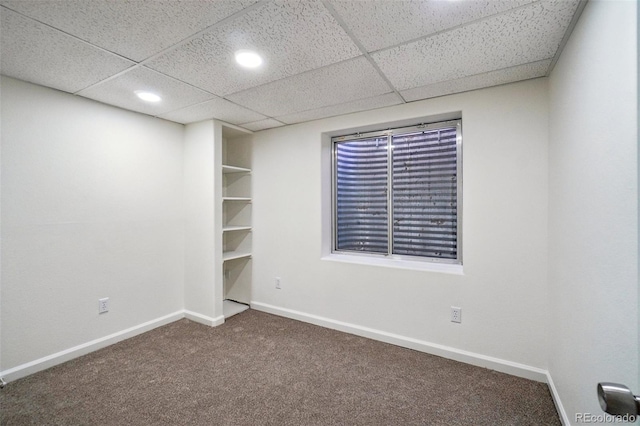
x,y
321,57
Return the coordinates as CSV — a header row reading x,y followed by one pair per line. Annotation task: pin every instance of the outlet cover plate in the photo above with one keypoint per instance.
x,y
456,314
103,305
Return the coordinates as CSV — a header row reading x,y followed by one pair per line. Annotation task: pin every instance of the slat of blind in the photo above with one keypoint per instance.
x,y
425,194
361,195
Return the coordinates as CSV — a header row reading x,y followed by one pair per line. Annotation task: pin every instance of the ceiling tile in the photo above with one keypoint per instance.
x,y
336,84
269,123
346,108
218,108
382,23
34,52
119,91
291,36
528,34
134,29
492,78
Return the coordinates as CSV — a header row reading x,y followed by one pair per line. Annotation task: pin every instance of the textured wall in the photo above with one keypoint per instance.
x,y
91,208
199,226
593,197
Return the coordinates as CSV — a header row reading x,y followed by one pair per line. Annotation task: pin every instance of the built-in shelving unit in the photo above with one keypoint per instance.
x,y
236,221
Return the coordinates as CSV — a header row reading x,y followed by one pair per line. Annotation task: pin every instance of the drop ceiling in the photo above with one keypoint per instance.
x,y
321,57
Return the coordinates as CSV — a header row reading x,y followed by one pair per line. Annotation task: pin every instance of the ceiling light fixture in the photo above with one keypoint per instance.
x,y
248,58
147,96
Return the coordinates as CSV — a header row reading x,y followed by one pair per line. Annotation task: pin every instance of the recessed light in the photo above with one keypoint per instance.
x,y
248,58
147,96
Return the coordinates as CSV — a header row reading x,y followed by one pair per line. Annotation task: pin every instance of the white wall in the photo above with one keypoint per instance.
x,y
91,208
203,240
503,292
593,196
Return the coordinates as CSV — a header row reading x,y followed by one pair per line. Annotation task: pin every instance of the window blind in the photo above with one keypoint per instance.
x,y
396,192
425,194
361,185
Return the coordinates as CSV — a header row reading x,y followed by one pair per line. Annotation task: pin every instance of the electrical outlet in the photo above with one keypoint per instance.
x,y
278,283
456,314
103,305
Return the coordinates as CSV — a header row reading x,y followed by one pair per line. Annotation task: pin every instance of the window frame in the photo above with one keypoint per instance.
x,y
389,133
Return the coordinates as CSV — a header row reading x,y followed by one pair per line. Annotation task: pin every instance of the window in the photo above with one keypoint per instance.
x,y
398,192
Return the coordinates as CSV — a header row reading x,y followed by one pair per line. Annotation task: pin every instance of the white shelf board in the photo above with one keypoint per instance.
x,y
234,169
231,255
246,199
231,308
236,228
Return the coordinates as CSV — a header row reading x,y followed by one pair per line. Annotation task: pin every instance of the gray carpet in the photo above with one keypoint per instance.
x,y
261,369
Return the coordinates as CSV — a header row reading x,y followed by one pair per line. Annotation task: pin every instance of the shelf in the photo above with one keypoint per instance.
x,y
236,228
231,255
231,308
234,169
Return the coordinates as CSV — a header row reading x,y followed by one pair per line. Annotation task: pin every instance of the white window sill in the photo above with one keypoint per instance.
x,y
417,265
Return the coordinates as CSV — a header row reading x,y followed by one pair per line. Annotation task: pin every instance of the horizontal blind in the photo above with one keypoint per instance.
x,y
425,194
361,195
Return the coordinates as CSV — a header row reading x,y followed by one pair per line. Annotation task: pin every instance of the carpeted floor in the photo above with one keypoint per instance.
x,y
261,369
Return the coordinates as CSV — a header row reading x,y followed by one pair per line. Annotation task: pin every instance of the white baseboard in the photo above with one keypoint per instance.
x,y
85,348
472,358
68,354
555,395
467,357
203,319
